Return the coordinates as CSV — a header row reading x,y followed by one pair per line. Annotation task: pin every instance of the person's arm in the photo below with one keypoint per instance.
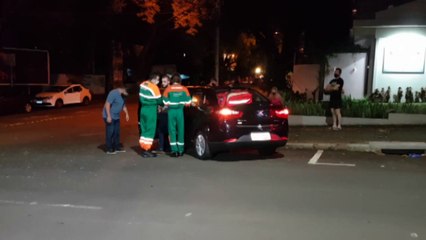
x,y
108,111
126,112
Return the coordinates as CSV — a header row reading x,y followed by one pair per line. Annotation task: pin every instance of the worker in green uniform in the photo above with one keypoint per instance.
x,y
150,98
176,97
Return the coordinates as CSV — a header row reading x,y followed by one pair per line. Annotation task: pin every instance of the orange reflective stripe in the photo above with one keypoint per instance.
x,y
145,146
166,92
186,91
156,90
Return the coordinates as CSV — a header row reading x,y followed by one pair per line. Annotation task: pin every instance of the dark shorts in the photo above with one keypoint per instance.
x,y
335,104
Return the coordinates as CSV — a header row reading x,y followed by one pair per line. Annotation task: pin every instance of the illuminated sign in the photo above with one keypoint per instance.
x,y
404,53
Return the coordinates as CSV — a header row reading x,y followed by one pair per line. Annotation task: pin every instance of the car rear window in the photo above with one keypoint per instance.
x,y
234,97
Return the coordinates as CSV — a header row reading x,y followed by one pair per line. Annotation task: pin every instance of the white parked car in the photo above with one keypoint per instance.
x,y
57,96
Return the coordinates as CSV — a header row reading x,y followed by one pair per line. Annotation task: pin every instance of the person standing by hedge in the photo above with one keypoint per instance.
x,y
275,97
150,98
175,97
336,91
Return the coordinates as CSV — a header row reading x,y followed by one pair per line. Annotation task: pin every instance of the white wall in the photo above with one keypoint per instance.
x,y
353,67
409,47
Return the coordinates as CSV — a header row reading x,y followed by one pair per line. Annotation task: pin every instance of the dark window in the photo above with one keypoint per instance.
x,y
77,89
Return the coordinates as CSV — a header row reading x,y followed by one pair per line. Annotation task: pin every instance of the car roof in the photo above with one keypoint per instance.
x,y
221,88
68,85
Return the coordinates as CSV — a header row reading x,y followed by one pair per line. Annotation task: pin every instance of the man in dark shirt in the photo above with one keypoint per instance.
x,y
336,99
114,104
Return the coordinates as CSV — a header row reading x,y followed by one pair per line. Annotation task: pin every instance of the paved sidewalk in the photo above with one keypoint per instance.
x,y
360,138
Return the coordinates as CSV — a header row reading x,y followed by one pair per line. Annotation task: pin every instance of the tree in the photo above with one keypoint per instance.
x,y
246,47
159,17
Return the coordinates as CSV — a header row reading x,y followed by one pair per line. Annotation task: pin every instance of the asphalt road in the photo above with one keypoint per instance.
x,y
57,183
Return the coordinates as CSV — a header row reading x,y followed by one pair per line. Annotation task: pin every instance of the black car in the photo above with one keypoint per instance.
x,y
14,100
222,119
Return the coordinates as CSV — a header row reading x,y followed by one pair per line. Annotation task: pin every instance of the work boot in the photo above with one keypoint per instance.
x,y
148,154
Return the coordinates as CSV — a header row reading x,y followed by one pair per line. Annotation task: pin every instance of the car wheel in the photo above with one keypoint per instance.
x,y
59,103
86,101
201,146
267,151
28,107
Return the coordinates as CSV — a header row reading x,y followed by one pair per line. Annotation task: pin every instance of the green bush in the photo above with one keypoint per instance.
x,y
356,108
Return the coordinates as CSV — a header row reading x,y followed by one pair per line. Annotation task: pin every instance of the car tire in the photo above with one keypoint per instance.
x,y
201,146
59,103
86,101
28,107
267,151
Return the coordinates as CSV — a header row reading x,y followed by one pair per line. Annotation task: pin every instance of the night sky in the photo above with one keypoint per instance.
x,y
76,30
329,17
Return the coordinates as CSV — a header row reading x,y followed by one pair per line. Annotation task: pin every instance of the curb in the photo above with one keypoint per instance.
x,y
375,147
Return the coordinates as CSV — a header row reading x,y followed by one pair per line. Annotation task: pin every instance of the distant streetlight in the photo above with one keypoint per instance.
x,y
258,70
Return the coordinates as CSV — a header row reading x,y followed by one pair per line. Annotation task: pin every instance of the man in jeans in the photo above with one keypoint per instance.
x,y
114,104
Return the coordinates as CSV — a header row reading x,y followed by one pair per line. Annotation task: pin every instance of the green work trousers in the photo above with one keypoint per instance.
x,y
148,122
176,130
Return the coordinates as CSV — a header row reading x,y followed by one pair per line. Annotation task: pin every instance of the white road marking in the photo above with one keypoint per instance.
x,y
336,164
51,205
414,235
75,206
36,121
316,157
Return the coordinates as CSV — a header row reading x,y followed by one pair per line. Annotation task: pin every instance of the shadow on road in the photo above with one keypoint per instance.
x,y
241,155
233,156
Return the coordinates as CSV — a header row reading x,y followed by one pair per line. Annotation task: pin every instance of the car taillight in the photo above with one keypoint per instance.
x,y
283,113
228,114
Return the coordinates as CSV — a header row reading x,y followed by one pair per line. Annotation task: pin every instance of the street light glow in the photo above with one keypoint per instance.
x,y
258,70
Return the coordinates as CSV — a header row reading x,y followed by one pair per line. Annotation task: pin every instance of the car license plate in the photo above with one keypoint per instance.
x,y
260,136
39,102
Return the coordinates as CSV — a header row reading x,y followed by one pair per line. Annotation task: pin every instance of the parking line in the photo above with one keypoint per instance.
x,y
17,124
316,157
336,164
51,205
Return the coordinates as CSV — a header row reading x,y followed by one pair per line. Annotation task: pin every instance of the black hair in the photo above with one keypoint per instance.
x,y
153,75
165,76
118,84
176,78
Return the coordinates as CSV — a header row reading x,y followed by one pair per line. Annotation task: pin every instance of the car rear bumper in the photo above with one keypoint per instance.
x,y
246,142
